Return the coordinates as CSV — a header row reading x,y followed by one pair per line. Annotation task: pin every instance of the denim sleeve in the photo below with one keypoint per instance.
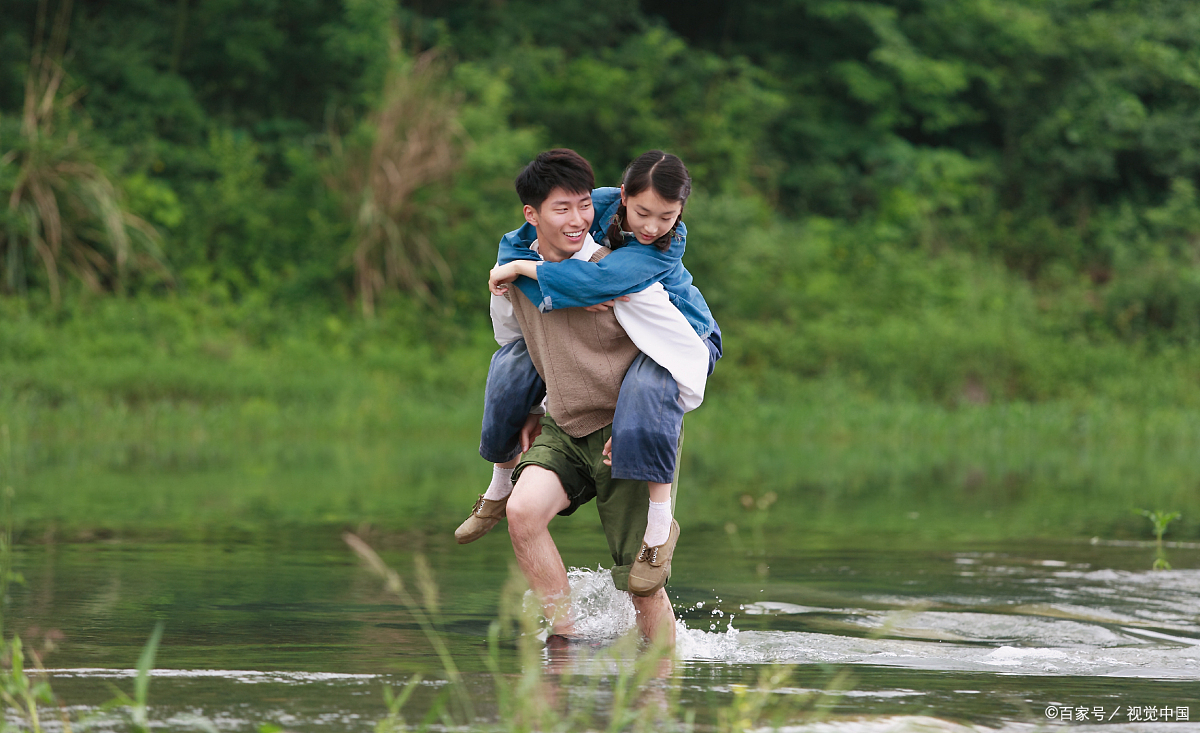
x,y
631,269
715,348
515,246
603,200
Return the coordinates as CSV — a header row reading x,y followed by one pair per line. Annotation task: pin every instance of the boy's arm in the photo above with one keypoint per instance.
x,y
662,333
505,326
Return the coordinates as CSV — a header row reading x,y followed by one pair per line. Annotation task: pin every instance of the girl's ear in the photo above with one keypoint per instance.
x,y
531,215
623,203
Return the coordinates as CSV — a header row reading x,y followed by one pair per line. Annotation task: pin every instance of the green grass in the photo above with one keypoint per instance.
x,y
149,418
837,462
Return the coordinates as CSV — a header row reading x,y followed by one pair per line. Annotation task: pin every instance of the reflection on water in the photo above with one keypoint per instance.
x,y
297,634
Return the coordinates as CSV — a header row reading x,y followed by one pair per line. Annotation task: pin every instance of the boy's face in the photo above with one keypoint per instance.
x,y
562,222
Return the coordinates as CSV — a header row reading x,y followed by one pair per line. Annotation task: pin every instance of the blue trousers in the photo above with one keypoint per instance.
x,y
646,426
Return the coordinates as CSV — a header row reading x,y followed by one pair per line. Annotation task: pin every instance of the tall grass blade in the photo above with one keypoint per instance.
x,y
394,585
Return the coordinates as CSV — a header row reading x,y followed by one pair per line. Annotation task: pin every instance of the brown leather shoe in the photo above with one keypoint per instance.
x,y
483,517
653,565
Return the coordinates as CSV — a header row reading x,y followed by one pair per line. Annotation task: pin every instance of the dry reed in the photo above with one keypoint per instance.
x,y
386,182
63,208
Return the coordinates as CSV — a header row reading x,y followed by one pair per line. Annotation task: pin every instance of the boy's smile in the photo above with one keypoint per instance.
x,y
562,222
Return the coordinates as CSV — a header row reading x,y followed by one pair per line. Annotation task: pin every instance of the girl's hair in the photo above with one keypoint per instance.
x,y
669,178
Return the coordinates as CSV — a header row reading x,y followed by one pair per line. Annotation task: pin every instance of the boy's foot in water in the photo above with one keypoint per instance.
x,y
554,642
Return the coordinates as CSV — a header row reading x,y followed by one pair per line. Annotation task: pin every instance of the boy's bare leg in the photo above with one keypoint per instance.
x,y
536,499
655,617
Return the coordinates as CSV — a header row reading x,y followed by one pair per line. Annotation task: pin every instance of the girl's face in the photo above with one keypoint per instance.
x,y
648,215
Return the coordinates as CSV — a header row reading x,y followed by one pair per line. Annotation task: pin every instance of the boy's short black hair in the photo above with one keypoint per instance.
x,y
558,168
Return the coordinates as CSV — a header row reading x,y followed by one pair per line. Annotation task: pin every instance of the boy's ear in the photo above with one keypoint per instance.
x,y
531,215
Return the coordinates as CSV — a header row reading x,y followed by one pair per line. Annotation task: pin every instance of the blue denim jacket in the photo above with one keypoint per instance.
x,y
629,269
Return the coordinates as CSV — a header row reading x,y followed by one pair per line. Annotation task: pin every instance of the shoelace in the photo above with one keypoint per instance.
x,y
653,554
478,506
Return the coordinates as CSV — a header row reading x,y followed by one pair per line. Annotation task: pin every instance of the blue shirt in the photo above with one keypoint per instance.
x,y
629,269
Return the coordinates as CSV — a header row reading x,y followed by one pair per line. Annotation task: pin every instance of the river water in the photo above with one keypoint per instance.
x,y
875,634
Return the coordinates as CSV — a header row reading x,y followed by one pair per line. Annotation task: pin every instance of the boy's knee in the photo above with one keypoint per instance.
x,y
535,500
520,512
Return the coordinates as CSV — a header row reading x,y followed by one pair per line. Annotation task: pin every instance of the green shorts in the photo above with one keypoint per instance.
x,y
621,503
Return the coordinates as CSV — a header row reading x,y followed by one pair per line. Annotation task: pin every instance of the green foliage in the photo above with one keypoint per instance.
x,y
974,202
137,707
64,211
1160,519
145,417
649,90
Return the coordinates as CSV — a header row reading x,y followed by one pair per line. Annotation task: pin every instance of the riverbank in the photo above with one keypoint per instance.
x,y
175,419
339,444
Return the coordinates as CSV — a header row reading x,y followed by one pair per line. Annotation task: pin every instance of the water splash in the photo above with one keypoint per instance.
x,y
601,611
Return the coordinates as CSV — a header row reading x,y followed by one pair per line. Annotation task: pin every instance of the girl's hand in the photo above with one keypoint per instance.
x,y
500,276
601,307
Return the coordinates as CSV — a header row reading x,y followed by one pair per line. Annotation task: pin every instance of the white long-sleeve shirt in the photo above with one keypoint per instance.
x,y
657,328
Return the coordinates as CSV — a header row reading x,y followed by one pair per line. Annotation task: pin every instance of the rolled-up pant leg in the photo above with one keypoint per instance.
x,y
645,438
513,389
649,419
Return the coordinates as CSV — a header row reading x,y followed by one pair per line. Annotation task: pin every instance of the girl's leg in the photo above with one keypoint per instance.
x,y
645,439
648,421
646,425
513,389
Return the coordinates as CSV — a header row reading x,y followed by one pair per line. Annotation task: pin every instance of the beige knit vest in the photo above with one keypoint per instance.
x,y
582,357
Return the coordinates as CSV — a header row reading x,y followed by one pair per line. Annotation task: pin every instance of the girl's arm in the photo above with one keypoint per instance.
x,y
630,269
503,274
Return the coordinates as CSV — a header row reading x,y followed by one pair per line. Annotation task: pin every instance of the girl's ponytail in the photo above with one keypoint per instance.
x,y
613,236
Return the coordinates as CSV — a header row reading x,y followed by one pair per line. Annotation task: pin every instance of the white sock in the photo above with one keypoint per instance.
x,y
658,523
501,485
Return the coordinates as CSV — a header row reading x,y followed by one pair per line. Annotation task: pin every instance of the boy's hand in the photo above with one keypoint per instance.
x,y
607,450
601,307
499,276
530,431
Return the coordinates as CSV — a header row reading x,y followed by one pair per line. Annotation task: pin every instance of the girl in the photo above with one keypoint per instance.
x,y
642,223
